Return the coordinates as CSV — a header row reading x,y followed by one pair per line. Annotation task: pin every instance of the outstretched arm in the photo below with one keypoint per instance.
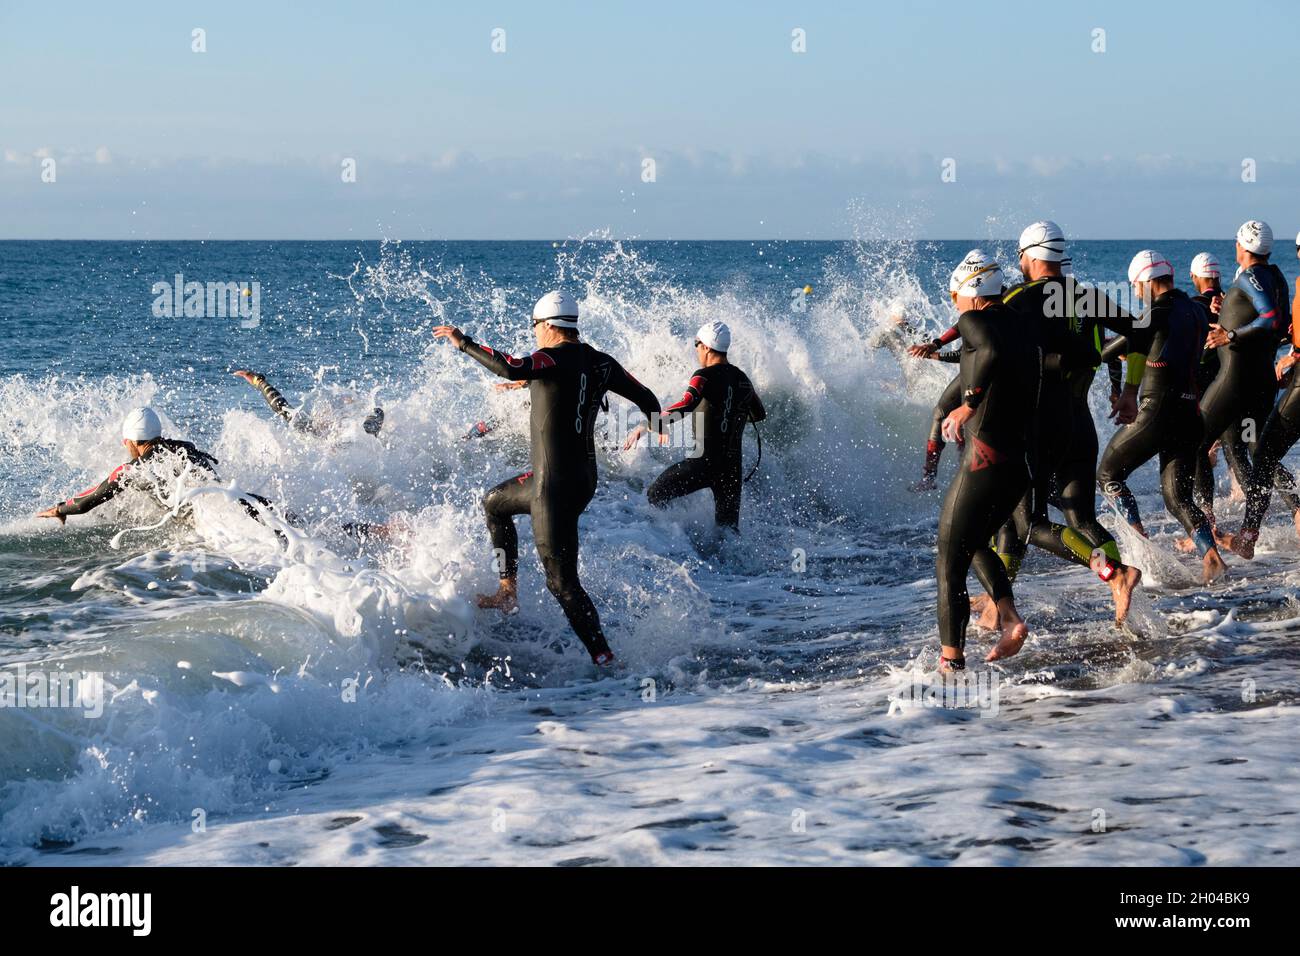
x,y
534,366
88,500
622,383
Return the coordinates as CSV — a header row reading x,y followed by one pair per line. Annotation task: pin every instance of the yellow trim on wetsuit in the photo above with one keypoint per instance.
x,y
1134,366
1076,543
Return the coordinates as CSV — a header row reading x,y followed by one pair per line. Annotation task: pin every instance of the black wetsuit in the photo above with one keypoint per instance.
x,y
1172,339
1069,318
1240,399
726,400
1209,366
300,420
567,383
1000,370
129,475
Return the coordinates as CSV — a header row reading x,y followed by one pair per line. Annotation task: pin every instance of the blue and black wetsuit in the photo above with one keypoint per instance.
x,y
1281,431
567,384
1168,424
724,399
1239,401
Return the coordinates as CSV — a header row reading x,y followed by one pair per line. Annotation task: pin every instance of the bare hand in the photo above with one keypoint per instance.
x,y
1125,411
450,332
53,512
955,422
246,375
1216,303
1217,338
1284,365
922,351
508,386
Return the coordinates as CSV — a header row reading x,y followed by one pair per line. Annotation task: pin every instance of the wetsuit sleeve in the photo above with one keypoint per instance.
x,y
621,382
280,405
978,372
1103,310
953,356
1270,320
92,498
952,335
692,397
1112,354
538,365
757,412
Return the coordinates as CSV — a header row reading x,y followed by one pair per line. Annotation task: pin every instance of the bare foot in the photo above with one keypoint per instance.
x,y
1122,586
1242,544
977,603
1296,518
1014,633
506,599
1184,545
989,616
1213,566
951,665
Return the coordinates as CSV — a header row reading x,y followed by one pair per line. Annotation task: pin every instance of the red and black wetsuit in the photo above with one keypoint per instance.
x,y
1000,371
724,399
187,453
567,384
107,489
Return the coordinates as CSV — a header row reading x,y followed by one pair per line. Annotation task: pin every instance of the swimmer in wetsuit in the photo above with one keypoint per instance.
x,y
1000,371
1163,355
567,380
298,419
1281,432
1252,322
724,399
142,438
1069,317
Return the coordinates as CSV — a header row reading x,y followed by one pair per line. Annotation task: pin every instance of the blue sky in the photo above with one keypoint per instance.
x,y
547,139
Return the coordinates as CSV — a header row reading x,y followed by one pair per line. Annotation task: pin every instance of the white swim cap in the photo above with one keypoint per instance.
x,y
558,309
1205,266
978,275
715,335
1255,237
1043,240
1147,265
141,424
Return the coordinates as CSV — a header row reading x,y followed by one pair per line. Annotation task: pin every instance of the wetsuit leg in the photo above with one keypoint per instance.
x,y
1280,433
1184,434
684,478
1219,411
976,504
726,496
501,504
1077,486
555,529
1131,447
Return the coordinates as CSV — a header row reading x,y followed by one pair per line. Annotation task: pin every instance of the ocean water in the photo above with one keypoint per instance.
x,y
301,699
